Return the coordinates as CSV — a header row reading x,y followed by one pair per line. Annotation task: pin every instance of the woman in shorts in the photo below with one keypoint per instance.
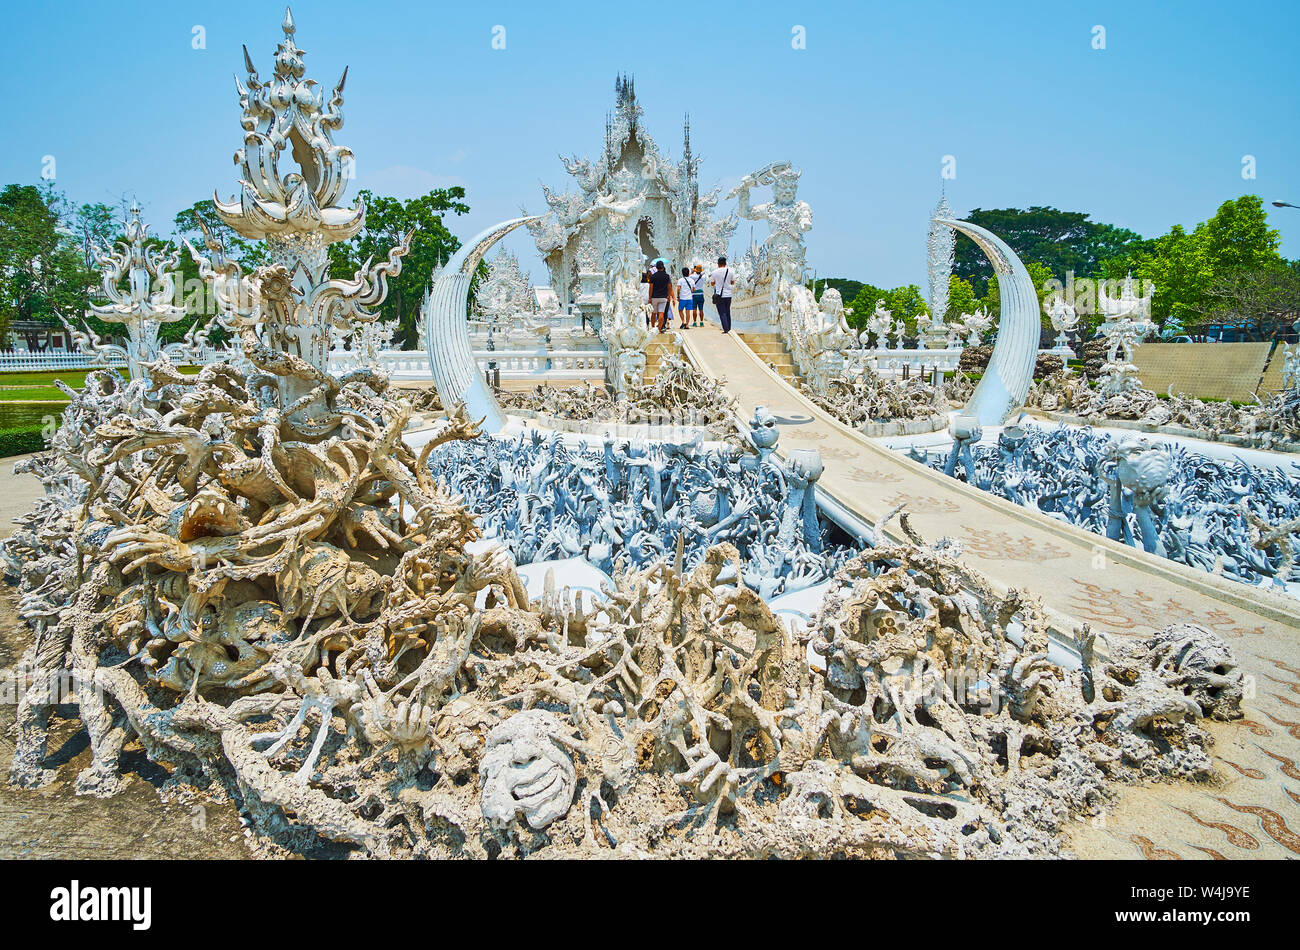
x,y
697,294
661,291
685,299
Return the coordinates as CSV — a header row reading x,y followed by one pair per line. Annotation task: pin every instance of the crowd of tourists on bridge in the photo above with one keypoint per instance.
x,y
686,295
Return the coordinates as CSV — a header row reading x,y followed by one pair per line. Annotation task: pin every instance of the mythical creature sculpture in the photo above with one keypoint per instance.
x,y
1064,320
623,324
1127,323
820,358
787,218
975,325
879,324
779,271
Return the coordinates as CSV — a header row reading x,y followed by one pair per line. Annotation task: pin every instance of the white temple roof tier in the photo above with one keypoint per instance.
x,y
289,112
676,221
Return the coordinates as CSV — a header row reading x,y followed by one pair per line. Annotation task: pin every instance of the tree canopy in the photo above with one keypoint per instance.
x,y
1062,241
43,273
387,221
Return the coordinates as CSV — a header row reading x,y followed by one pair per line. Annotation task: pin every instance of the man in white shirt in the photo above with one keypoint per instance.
x,y
723,280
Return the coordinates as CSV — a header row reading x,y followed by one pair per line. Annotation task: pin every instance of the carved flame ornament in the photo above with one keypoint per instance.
x,y
142,305
293,305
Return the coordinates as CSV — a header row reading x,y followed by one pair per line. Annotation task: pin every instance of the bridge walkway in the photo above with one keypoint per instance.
x,y
1081,578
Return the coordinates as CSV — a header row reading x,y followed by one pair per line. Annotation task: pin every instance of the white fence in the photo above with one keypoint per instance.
x,y
398,364
557,364
891,362
31,362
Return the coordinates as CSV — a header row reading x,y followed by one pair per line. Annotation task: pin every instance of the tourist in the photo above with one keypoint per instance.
x,y
722,283
697,294
661,289
685,298
645,295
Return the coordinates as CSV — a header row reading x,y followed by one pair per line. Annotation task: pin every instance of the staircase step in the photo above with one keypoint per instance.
x,y
770,348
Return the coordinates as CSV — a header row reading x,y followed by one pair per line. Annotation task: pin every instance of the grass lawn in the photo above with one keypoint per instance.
x,y
76,378
33,394
29,400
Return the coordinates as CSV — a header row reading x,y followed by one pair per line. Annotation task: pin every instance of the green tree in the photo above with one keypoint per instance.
x,y
1199,276
1063,241
387,222
906,304
961,298
848,288
43,276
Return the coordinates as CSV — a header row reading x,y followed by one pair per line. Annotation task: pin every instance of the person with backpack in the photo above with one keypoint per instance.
x,y
723,282
685,299
661,290
697,294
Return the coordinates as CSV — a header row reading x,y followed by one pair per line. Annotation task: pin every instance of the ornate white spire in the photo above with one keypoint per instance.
x,y
292,306
939,247
288,112
142,304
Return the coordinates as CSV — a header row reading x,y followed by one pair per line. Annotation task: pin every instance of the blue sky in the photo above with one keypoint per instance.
x,y
1149,132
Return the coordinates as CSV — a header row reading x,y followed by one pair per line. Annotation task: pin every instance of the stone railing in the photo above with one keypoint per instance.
x,y
557,364
58,360
398,364
891,362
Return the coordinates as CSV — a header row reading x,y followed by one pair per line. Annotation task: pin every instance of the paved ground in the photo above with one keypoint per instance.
x,y
55,823
1083,578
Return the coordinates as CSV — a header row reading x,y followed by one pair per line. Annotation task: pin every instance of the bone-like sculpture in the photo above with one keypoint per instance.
x,y
248,573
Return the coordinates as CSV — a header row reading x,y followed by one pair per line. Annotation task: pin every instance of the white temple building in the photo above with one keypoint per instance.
x,y
675,222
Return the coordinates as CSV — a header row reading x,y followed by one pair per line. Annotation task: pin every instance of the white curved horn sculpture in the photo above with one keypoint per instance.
x,y
1011,369
451,359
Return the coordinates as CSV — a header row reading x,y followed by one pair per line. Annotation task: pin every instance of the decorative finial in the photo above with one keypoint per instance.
x,y
287,25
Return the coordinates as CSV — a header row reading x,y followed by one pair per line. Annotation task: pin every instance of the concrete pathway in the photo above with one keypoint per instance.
x,y
1082,578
